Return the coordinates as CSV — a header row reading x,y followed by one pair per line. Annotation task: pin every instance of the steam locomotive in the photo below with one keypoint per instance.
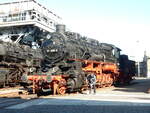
x,y
70,57
62,46
62,62
14,60
127,69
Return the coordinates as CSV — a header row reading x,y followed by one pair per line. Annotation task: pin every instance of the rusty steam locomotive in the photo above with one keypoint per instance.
x,y
64,59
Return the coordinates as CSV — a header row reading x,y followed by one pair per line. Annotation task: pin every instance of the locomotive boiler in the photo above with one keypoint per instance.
x,y
69,57
63,45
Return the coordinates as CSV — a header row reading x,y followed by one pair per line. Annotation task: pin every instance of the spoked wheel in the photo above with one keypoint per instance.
x,y
61,90
109,84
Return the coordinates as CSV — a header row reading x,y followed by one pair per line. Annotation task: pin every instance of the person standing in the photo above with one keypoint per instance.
x,y
24,79
92,82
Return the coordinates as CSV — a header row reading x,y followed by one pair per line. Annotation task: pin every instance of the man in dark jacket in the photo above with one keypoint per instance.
x,y
92,82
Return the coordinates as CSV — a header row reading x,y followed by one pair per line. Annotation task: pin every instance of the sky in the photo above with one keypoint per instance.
x,y
124,23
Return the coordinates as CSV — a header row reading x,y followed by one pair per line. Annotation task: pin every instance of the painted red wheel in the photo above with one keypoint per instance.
x,y
61,90
109,84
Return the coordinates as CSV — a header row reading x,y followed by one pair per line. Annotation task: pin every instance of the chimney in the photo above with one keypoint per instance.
x,y
60,28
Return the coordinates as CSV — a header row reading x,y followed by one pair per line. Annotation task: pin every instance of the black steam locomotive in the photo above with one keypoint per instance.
x,y
63,58
68,57
15,59
63,45
62,52
127,69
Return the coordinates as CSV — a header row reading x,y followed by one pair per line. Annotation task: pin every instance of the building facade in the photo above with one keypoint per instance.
x,y
26,19
145,66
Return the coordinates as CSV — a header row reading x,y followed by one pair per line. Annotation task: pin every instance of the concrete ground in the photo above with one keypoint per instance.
x,y
126,99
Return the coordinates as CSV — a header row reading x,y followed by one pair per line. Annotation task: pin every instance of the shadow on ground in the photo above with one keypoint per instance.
x,y
140,86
